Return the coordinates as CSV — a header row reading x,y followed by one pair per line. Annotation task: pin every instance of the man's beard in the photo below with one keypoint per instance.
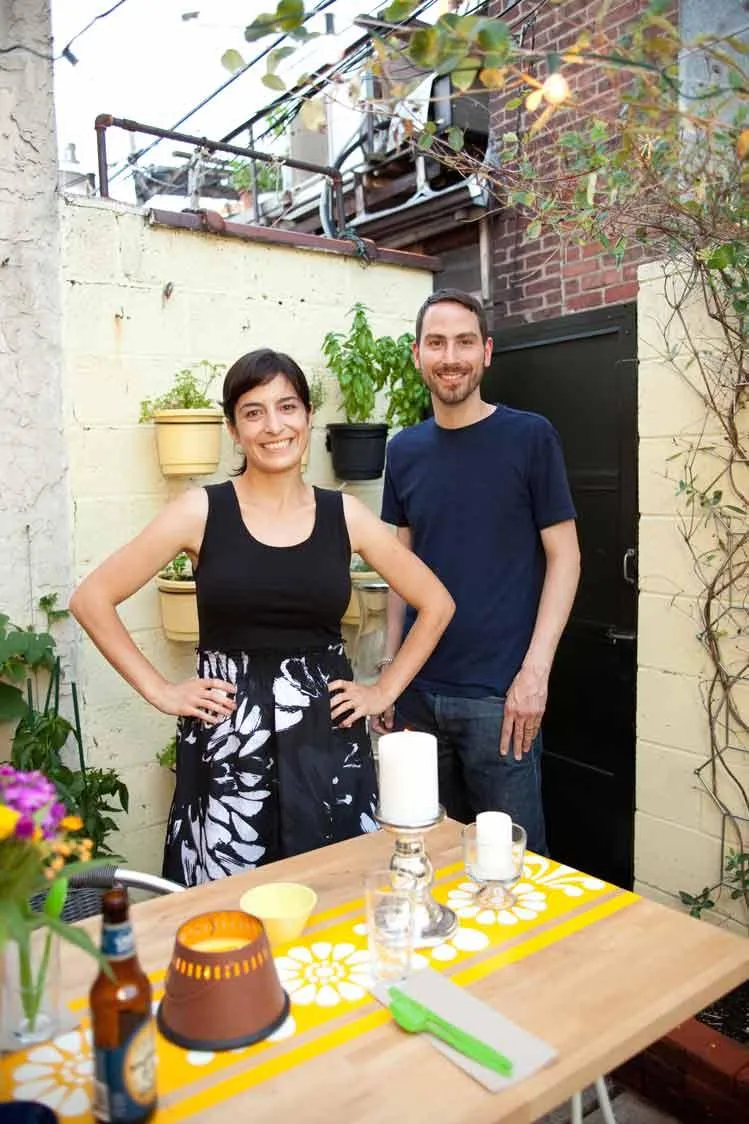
x,y
453,395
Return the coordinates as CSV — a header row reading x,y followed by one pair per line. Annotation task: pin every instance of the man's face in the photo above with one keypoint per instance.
x,y
451,354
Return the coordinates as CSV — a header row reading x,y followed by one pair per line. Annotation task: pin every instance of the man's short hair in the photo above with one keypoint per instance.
x,y
454,296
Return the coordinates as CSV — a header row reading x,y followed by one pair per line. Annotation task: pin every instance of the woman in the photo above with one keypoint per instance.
x,y
273,755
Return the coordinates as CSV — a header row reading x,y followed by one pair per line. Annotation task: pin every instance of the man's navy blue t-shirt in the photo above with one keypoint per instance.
x,y
475,499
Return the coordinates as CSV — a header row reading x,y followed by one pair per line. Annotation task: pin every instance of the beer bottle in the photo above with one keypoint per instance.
x,y
122,1024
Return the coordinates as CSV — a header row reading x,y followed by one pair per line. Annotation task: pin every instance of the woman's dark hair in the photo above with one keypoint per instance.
x,y
258,368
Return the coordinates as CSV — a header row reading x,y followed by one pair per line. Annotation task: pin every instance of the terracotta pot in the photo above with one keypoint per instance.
x,y
188,441
179,610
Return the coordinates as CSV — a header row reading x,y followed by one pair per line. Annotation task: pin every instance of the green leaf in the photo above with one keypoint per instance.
x,y
425,142
495,36
721,257
264,25
232,60
424,47
80,938
278,55
273,82
289,14
455,138
12,703
399,10
464,76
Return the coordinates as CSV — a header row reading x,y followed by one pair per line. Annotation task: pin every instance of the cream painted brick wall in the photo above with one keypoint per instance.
x,y
678,826
34,497
123,340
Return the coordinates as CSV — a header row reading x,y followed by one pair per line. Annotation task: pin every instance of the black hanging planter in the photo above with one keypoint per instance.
x,y
357,449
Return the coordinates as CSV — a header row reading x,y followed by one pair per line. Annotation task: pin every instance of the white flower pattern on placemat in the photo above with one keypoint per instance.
x,y
57,1073
573,883
205,1057
529,903
325,974
465,940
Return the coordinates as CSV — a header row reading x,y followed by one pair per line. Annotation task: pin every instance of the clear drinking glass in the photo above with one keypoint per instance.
x,y
391,922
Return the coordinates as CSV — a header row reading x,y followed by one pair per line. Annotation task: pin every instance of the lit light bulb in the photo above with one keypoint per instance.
x,y
556,89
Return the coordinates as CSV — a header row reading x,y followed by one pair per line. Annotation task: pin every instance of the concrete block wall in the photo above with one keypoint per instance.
x,y
139,303
678,826
33,460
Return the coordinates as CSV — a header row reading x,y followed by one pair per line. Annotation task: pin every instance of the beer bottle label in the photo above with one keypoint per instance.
x,y
117,941
125,1076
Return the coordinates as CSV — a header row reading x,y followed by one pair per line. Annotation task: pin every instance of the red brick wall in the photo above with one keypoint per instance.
x,y
535,279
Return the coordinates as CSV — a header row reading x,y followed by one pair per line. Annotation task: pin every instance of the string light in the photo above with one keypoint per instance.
x,y
555,89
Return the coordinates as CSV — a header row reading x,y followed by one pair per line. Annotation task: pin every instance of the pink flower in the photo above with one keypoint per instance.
x,y
24,828
30,794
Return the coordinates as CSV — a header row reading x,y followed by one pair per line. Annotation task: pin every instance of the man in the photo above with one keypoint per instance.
x,y
480,493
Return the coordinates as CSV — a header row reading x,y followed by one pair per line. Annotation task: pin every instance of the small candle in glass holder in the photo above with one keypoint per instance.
x,y
494,846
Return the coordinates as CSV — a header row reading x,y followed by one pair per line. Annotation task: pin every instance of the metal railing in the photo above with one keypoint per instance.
x,y
105,121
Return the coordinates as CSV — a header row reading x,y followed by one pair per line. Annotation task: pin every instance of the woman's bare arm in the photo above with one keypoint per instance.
x,y
94,604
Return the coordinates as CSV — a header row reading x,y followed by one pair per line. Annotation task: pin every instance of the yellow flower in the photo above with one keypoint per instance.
x,y
71,823
8,821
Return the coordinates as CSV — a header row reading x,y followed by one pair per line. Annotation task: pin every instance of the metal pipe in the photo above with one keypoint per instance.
x,y
101,153
105,121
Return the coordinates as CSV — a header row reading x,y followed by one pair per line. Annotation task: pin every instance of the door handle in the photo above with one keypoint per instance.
x,y
629,566
620,635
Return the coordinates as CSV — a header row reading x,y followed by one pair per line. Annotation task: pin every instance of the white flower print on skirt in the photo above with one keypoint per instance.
x,y
277,777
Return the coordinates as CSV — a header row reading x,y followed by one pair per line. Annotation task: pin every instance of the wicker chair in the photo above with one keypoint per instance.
x,y
84,894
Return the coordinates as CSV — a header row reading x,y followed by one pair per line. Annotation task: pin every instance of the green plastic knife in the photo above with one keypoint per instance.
x,y
414,1017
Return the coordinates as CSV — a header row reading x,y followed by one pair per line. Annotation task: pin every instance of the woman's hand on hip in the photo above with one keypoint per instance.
x,y
351,701
211,700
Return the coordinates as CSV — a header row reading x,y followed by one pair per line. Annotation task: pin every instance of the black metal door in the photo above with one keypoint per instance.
x,y
580,372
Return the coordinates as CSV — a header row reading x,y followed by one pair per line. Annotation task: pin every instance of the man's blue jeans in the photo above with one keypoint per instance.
x,y
472,776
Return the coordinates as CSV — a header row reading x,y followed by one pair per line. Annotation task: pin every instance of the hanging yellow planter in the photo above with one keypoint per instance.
x,y
179,609
188,441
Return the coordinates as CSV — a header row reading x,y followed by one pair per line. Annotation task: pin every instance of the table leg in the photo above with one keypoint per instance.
x,y
602,1093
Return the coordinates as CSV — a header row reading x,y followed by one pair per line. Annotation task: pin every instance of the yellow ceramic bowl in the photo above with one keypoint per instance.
x,y
283,908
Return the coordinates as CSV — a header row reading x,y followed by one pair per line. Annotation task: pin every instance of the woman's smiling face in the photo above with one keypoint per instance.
x,y
271,425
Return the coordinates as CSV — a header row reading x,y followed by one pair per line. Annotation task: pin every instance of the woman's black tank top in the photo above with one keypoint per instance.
x,y
253,597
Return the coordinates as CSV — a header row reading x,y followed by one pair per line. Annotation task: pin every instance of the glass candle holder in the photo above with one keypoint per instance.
x,y
495,871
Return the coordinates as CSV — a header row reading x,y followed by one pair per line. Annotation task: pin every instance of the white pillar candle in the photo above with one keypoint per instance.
x,y
494,846
409,793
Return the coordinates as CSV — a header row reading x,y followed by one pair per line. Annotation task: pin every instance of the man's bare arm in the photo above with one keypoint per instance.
x,y
526,699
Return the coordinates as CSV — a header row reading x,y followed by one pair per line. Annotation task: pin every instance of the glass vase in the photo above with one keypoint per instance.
x,y
31,1005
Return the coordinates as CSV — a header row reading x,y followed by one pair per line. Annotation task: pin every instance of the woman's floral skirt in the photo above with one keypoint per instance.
x,y
277,777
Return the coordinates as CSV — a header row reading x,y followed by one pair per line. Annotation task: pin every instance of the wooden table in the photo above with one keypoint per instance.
x,y
599,980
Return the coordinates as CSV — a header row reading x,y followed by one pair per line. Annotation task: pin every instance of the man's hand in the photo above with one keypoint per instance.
x,y
383,723
524,708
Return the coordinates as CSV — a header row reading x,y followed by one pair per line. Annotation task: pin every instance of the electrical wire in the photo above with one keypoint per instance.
x,y
66,52
134,157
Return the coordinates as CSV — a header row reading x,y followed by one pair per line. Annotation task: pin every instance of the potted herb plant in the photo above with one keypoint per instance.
x,y
364,364
177,600
268,178
188,422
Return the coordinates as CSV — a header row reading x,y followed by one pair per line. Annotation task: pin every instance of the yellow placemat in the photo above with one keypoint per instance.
x,y
325,974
